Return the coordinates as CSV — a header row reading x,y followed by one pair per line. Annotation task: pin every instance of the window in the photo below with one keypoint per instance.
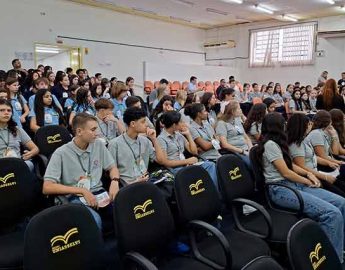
x,y
287,45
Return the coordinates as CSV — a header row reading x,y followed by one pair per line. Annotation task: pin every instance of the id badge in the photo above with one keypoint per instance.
x,y
48,118
182,157
141,165
65,95
18,106
119,114
9,152
215,144
84,182
103,199
239,130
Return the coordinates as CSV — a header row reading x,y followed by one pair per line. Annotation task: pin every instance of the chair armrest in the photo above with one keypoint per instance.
x,y
139,260
299,211
197,225
267,217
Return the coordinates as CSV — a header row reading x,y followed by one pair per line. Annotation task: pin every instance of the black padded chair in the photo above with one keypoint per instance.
x,y
263,263
309,248
18,190
145,227
198,200
238,188
63,237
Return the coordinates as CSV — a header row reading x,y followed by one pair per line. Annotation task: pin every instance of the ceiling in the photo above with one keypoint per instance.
x,y
194,12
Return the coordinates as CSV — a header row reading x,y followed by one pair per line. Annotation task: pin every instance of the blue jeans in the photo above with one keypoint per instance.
x,y
325,207
209,166
95,215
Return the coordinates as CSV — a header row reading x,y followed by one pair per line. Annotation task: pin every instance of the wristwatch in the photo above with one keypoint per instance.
x,y
116,179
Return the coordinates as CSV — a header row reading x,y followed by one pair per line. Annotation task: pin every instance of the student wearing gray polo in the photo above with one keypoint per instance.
x,y
174,139
231,133
303,155
133,152
75,169
324,137
109,126
202,132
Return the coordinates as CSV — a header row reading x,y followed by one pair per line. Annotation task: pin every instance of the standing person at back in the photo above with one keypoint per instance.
x,y
330,98
192,86
163,84
323,78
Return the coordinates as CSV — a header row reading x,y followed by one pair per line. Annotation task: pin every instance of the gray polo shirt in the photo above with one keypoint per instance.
x,y
68,163
255,129
252,95
318,137
13,142
233,132
272,153
207,133
173,145
107,130
306,151
126,153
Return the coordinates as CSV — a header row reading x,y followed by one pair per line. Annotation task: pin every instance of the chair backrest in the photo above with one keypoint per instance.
x,y
148,87
49,138
262,263
185,85
234,178
18,188
63,237
257,171
196,195
309,248
142,218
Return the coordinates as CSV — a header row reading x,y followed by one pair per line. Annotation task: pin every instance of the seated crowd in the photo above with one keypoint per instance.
x,y
299,133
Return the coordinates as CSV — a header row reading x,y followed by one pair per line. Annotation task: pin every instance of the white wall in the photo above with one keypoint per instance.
x,y
58,61
333,61
24,25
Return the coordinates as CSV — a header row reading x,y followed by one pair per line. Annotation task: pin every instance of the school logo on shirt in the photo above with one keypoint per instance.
x,y
235,173
141,210
315,258
196,187
61,242
4,180
54,139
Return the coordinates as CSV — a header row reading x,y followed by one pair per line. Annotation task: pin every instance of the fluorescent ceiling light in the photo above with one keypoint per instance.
x,y
233,1
47,48
330,2
184,2
179,19
263,9
211,10
144,10
46,51
289,18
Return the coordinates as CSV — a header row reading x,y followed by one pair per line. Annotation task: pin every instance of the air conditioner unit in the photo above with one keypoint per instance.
x,y
331,34
220,44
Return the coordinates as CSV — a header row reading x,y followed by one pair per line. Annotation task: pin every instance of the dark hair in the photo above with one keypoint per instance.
x,y
46,70
298,103
11,124
81,119
130,101
98,74
192,78
231,81
245,85
205,100
163,81
79,70
193,110
296,127
104,81
338,124
39,108
69,69
321,119
268,102
225,92
59,76
14,60
275,89
72,77
159,107
254,84
170,118
81,97
133,114
103,103
255,115
128,79
231,78
306,103
273,129
94,90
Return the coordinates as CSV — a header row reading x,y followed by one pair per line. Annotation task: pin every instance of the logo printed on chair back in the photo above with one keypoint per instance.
x,y
235,173
4,180
141,211
54,139
315,258
195,188
61,242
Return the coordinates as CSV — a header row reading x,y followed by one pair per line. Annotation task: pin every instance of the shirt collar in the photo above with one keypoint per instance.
x,y
168,135
79,151
5,128
129,139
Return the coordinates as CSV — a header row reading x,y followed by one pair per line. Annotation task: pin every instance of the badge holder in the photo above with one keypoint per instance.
x,y
216,144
